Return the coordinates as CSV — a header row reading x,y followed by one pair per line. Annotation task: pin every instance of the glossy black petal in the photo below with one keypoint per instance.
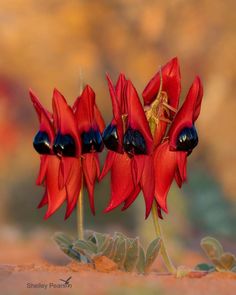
x,y
91,141
187,139
64,145
41,143
110,137
134,142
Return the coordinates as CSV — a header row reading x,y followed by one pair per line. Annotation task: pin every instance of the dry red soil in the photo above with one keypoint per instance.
x,y
23,270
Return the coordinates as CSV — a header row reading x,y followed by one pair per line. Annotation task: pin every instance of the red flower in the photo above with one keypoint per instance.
x,y
129,141
61,169
170,158
90,125
161,98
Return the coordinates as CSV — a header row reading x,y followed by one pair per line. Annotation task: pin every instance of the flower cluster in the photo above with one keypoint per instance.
x,y
147,146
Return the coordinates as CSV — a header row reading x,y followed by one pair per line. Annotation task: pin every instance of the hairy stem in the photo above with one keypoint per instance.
x,y
168,263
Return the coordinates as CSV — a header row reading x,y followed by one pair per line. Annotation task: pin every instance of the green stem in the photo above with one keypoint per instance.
x,y
80,215
168,263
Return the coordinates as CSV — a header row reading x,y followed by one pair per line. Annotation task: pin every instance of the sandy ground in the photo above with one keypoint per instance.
x,y
34,269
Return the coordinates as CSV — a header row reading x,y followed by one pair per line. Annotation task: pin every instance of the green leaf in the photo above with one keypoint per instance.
x,y
82,247
227,260
205,267
69,251
132,255
121,251
212,247
152,252
61,239
106,251
141,261
100,239
65,243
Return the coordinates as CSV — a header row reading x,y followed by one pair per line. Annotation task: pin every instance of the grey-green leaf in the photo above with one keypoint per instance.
x,y
141,261
107,249
62,239
132,254
212,247
82,247
152,252
120,253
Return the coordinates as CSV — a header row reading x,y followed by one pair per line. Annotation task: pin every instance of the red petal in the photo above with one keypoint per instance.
x,y
147,183
91,172
188,113
73,187
121,181
131,198
64,118
165,165
108,164
42,169
116,104
55,196
137,163
44,117
182,164
121,93
85,110
44,200
65,170
136,116
171,84
117,98
178,178
99,119
159,133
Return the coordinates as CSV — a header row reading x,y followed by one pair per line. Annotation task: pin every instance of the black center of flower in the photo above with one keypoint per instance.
x,y
41,143
187,139
64,145
134,142
110,137
91,141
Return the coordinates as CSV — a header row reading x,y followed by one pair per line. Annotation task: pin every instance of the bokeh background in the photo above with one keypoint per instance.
x,y
46,44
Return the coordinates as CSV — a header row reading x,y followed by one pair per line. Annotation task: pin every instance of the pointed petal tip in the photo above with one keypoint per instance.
x,y
47,215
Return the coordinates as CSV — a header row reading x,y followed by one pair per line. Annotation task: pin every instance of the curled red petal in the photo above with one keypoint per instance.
x,y
85,110
171,84
66,169
188,113
117,99
73,187
116,104
122,184
44,200
136,116
160,132
64,118
99,119
131,198
44,117
120,89
137,163
42,169
108,164
91,171
147,183
55,196
165,165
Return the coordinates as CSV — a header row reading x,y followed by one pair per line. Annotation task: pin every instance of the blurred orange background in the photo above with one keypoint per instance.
x,y
46,44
